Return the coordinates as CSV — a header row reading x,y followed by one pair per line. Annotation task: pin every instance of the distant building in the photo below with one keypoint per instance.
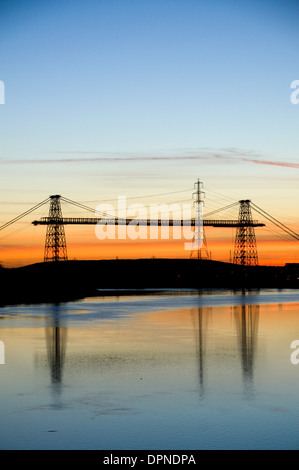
x,y
292,266
292,269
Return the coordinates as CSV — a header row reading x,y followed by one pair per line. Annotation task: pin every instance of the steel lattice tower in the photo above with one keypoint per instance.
x,y
55,247
202,252
245,242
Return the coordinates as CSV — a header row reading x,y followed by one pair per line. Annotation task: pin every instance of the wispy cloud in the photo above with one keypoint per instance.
x,y
230,155
265,162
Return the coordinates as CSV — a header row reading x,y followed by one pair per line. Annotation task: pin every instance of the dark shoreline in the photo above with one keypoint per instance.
x,y
74,280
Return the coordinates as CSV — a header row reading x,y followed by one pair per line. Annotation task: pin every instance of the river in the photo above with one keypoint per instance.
x,y
174,370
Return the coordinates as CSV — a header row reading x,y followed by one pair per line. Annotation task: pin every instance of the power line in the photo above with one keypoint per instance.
x,y
221,209
146,196
222,196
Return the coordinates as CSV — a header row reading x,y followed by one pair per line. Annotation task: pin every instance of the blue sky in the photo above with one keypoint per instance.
x,y
135,97
141,76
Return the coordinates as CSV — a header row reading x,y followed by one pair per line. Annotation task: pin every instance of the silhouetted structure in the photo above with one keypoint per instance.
x,y
199,238
245,252
245,242
55,249
55,246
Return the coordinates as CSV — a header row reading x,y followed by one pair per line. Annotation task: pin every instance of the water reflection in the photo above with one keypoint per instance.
x,y
187,371
200,318
56,337
246,321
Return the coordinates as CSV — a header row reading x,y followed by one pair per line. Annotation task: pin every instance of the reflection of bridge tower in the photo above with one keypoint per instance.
x,y
56,346
247,319
200,321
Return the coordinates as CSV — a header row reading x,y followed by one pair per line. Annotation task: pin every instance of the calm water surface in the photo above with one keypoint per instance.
x,y
171,371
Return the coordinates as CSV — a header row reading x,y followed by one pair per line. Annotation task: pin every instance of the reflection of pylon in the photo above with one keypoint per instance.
x,y
245,242
55,247
201,317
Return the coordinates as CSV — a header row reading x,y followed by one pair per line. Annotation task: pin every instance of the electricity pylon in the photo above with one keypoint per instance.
x,y
199,238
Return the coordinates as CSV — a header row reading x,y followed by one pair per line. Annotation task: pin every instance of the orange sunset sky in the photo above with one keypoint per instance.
x,y
26,246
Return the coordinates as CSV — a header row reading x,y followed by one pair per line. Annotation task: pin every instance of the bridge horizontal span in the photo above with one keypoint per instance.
x,y
144,222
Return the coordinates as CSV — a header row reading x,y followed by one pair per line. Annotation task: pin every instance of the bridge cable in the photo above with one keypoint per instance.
x,y
275,222
10,222
82,206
